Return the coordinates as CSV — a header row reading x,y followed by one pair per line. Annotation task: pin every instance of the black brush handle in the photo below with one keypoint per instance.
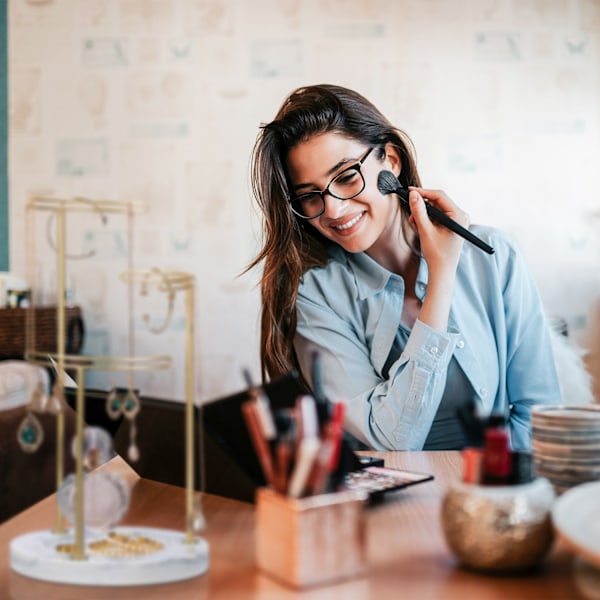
x,y
435,214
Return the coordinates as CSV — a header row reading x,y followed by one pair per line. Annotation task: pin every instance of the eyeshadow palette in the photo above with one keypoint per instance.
x,y
376,481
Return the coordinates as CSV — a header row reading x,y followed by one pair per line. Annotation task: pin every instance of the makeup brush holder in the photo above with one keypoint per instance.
x,y
310,541
499,528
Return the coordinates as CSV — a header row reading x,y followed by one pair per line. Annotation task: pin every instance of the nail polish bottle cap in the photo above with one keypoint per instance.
x,y
496,420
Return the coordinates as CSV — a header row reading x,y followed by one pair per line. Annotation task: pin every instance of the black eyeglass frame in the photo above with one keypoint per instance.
x,y
355,167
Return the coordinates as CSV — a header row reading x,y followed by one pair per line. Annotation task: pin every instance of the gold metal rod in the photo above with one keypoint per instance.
x,y
60,461
78,552
189,417
102,363
130,301
60,349
60,286
30,238
82,204
164,280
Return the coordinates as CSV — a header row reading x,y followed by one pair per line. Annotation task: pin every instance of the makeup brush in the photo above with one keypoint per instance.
x,y
388,183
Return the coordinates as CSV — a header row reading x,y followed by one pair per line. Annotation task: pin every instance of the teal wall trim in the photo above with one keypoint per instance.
x,y
4,239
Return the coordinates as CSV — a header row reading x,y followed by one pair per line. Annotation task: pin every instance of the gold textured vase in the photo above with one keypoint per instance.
x,y
499,528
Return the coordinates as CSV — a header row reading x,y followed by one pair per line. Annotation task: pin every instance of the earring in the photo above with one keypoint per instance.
x,y
113,404
56,401
39,399
131,407
30,434
126,404
198,521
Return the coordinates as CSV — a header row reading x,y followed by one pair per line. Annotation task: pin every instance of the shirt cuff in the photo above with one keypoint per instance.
x,y
429,348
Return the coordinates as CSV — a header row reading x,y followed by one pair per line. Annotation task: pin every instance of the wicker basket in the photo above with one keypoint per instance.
x,y
13,330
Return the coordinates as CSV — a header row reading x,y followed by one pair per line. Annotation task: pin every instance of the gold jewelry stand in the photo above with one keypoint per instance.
x,y
171,282
60,556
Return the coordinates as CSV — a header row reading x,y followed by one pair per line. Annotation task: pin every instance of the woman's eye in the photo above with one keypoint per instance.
x,y
347,178
309,198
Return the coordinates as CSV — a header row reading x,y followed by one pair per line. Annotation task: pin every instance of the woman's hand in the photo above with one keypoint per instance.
x,y
441,249
440,246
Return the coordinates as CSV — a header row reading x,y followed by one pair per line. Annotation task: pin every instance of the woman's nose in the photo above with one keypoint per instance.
x,y
333,206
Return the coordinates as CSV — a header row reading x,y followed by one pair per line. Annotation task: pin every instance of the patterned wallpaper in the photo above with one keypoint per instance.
x,y
159,101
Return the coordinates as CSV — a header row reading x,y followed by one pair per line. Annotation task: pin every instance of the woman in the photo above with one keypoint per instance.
x,y
410,322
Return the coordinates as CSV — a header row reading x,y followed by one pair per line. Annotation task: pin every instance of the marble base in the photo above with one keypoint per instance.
x,y
34,555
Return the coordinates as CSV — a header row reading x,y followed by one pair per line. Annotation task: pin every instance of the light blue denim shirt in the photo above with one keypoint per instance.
x,y
349,311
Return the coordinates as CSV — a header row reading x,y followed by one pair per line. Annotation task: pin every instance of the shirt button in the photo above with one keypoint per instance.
x,y
434,350
483,392
460,344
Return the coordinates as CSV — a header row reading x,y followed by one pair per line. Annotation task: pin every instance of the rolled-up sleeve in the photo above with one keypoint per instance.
x,y
415,387
392,412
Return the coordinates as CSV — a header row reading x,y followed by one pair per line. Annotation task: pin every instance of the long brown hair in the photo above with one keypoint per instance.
x,y
291,246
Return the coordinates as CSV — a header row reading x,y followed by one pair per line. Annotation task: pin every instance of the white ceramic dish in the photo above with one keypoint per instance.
x,y
576,518
560,412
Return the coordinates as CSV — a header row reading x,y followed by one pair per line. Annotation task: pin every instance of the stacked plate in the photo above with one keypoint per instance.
x,y
566,444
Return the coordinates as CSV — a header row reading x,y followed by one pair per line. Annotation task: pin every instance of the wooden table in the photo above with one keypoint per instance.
x,y
408,557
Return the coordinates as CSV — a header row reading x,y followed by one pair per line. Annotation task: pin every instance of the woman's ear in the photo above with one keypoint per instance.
x,y
392,159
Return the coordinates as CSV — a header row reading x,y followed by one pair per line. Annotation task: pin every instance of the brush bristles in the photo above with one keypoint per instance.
x,y
388,183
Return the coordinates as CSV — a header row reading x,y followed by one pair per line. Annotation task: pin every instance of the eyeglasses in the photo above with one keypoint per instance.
x,y
347,184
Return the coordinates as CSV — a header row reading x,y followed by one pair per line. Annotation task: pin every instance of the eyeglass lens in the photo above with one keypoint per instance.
x,y
345,185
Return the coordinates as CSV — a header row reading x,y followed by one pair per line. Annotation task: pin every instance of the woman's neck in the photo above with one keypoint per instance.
x,y
395,255
398,257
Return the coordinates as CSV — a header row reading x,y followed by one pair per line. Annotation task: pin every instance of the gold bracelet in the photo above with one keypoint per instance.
x,y
121,545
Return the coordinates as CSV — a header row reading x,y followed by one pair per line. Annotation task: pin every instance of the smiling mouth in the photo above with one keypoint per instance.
x,y
350,223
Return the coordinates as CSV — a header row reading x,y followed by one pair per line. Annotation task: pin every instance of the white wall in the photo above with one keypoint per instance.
x,y
160,101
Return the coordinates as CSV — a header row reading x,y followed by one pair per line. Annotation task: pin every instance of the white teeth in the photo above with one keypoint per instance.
x,y
349,223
